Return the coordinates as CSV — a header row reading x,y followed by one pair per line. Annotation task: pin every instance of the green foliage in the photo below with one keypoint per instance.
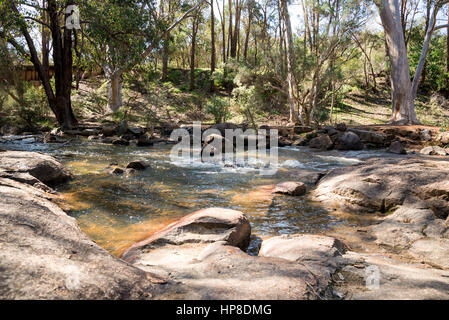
x,y
246,98
224,75
31,111
120,29
175,76
435,74
219,109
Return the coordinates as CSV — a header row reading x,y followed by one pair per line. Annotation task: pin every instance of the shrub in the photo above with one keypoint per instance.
x,y
219,109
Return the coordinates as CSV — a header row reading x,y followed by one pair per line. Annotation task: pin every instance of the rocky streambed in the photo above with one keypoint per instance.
x,y
45,255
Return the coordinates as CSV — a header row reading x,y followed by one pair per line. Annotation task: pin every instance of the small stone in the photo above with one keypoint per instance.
x,y
117,171
137,165
443,137
131,171
290,188
426,135
120,141
433,150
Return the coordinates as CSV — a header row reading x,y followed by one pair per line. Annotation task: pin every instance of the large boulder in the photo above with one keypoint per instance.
x,y
321,254
370,137
397,148
348,141
203,226
44,254
380,184
109,130
397,279
43,167
322,142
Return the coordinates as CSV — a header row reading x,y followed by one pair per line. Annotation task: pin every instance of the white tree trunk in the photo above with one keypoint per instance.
x,y
424,52
114,89
401,86
291,76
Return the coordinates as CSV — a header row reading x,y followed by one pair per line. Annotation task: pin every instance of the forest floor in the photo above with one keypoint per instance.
x,y
154,102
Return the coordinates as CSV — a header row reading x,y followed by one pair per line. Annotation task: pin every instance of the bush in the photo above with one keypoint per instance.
x,y
224,75
175,76
219,109
30,111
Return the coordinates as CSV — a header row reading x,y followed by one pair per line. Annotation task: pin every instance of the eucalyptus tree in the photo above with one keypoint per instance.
x,y
124,33
19,19
291,65
118,31
404,90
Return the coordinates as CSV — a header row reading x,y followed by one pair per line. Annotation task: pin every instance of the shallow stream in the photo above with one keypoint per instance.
x,y
116,211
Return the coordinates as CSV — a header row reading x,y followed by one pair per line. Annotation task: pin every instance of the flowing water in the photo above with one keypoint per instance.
x,y
116,211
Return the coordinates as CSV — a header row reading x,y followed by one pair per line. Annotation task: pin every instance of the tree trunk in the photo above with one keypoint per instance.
x,y
230,28
422,59
212,55
165,45
291,63
223,31
447,55
428,12
59,100
235,37
165,58
45,41
403,111
248,32
114,79
192,52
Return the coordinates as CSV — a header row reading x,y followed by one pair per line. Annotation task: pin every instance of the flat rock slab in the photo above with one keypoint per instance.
x,y
432,251
380,184
44,254
321,255
401,228
43,167
303,248
389,279
220,271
